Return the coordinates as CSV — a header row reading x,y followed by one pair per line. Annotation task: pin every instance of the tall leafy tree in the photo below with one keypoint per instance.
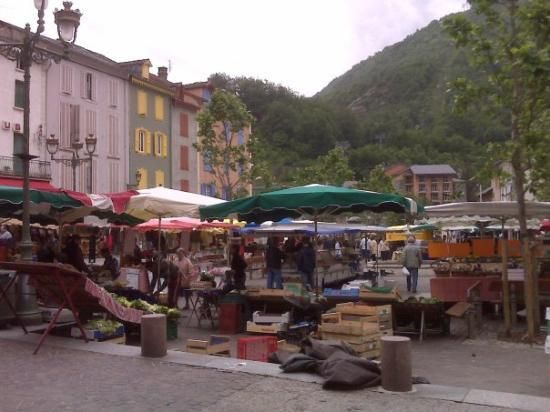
x,y
330,169
377,181
510,43
220,124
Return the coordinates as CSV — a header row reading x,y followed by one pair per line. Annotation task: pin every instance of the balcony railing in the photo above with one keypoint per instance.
x,y
13,166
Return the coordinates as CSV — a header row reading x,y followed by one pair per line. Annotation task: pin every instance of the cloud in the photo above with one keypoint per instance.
x,y
301,44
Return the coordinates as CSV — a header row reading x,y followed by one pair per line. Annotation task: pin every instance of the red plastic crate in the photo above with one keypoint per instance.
x,y
229,318
256,348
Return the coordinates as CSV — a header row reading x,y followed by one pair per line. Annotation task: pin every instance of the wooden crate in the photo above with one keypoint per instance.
x,y
352,308
369,295
347,338
366,346
215,345
265,328
350,328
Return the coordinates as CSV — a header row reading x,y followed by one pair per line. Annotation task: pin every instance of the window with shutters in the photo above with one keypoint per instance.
x,y
206,162
159,108
113,93
144,179
184,157
141,140
113,135
91,122
66,79
208,189
184,185
184,125
19,94
240,137
159,178
74,123
89,87
158,144
142,103
113,177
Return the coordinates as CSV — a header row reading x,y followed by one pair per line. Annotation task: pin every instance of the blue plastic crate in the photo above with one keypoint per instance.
x,y
341,292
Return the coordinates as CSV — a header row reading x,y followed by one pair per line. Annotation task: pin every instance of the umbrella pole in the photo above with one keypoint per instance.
x,y
159,255
315,271
505,284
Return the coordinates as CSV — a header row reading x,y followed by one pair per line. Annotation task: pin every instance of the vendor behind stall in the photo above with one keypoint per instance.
x,y
110,264
169,273
238,265
72,254
187,274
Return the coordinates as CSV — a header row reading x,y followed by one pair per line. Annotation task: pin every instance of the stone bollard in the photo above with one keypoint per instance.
x,y
396,364
153,336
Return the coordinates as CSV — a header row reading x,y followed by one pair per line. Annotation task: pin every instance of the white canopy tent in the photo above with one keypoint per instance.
x,y
163,202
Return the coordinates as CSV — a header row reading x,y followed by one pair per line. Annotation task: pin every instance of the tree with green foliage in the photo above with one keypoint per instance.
x,y
228,159
377,181
510,43
330,169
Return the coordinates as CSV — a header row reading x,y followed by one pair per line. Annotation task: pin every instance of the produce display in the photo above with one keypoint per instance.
x,y
107,327
171,313
423,300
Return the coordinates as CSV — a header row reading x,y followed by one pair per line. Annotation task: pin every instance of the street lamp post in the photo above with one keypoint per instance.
x,y
28,52
52,146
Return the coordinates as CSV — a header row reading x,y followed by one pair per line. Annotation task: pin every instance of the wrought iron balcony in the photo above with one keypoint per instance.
x,y
13,166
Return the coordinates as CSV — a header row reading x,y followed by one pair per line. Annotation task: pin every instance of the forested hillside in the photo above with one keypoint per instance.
x,y
394,106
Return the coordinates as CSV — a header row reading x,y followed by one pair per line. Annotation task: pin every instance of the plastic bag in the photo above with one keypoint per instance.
x,y
405,271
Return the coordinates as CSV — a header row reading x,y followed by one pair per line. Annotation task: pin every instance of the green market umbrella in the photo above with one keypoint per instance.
x,y
313,200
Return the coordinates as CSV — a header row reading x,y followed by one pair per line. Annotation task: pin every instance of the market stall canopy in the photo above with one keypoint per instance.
x,y
183,224
308,229
33,184
545,227
44,204
313,200
488,210
163,202
411,228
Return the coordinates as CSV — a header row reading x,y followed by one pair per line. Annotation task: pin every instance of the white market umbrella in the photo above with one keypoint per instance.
x,y
501,211
163,202
159,202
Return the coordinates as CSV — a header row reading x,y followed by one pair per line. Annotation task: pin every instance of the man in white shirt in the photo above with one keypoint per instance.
x,y
363,247
5,236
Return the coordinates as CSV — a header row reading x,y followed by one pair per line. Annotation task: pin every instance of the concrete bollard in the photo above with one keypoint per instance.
x,y
153,336
396,364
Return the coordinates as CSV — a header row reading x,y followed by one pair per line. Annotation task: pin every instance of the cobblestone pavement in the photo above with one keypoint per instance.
x,y
68,380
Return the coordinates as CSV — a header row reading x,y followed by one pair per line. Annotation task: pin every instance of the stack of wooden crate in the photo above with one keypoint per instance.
x,y
360,326
381,314
363,336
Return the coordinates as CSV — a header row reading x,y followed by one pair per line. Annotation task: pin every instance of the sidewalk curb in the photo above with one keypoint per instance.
x,y
438,392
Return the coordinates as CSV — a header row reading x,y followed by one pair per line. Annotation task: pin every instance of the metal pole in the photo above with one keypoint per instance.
x,y
27,308
90,178
505,284
74,163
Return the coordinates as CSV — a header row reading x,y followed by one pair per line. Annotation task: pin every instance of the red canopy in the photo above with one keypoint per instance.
x,y
545,226
33,183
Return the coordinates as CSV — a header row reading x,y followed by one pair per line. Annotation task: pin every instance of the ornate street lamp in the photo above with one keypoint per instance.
x,y
52,146
28,52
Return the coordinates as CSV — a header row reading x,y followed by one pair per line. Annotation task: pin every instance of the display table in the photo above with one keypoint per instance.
x,y
60,286
424,318
455,289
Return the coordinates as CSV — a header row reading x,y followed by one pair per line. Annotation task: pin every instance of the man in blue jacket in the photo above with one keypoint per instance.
x,y
306,263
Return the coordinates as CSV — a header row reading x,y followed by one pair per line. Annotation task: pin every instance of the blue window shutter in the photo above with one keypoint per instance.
x,y
240,138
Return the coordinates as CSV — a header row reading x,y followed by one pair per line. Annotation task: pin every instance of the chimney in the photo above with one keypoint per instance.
x,y
163,72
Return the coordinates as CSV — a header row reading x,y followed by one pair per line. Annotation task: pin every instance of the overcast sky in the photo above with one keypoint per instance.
x,y
301,44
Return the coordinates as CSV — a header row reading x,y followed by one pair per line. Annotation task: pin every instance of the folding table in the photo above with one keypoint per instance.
x,y
64,287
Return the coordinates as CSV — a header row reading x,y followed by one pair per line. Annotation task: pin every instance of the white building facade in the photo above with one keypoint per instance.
x,y
11,114
88,95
